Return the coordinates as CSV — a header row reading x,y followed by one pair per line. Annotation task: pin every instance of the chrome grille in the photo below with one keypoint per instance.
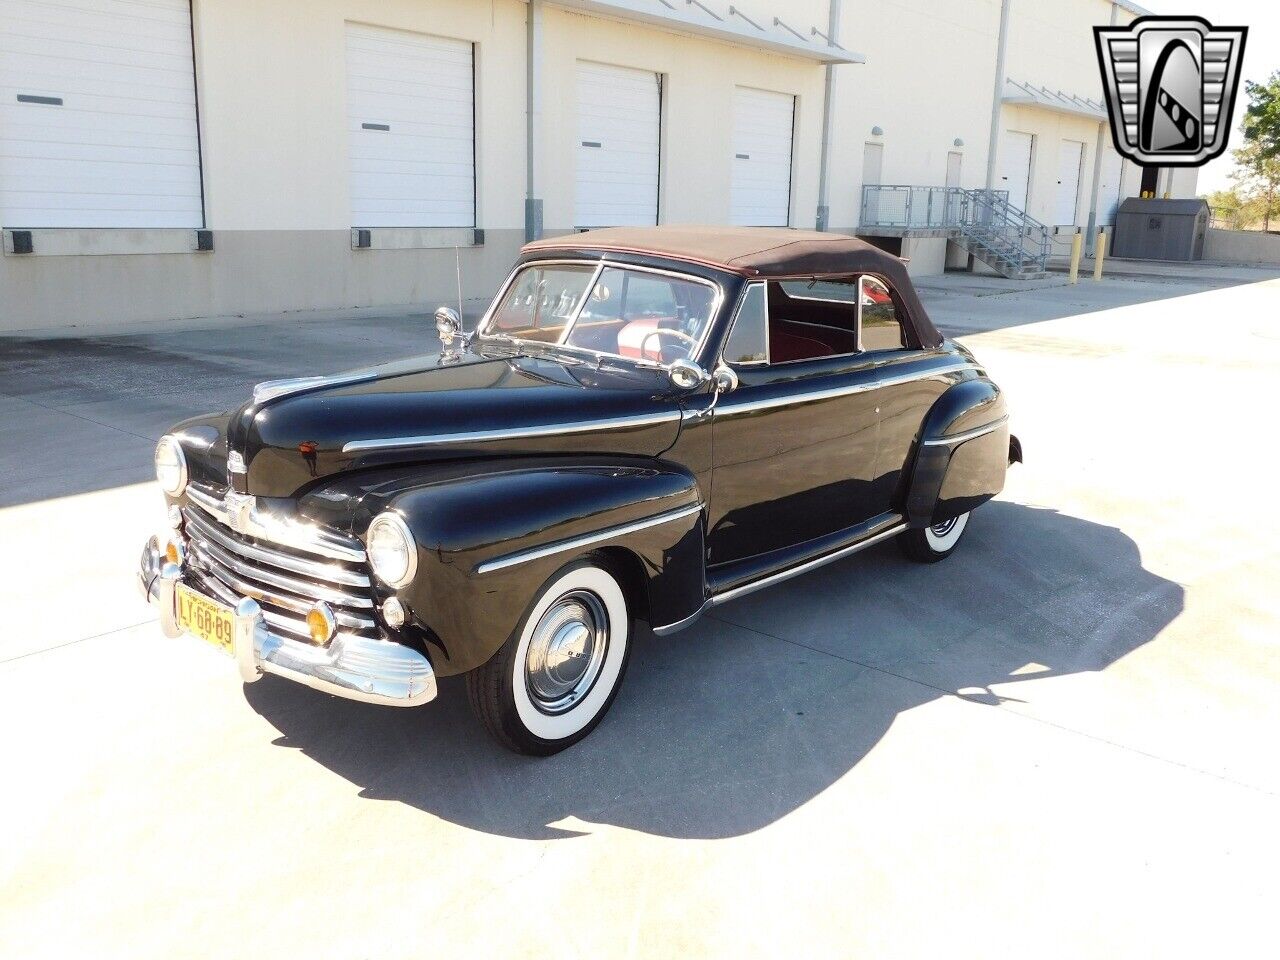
x,y
286,578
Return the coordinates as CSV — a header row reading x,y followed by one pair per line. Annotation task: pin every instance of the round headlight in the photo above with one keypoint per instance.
x,y
392,552
171,466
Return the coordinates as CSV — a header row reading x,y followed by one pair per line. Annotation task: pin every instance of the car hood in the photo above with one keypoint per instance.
x,y
426,409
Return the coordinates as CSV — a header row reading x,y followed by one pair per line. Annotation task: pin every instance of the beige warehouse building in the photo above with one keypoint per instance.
x,y
182,158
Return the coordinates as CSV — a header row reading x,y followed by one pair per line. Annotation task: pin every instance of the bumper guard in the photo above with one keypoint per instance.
x,y
358,668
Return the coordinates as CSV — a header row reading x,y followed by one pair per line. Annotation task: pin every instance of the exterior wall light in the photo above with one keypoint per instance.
x,y
957,142
877,131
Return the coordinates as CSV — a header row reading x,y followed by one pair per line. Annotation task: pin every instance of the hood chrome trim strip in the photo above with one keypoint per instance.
x,y
269,390
518,433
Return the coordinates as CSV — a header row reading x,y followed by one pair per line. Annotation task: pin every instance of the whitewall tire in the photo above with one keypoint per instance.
x,y
555,678
934,543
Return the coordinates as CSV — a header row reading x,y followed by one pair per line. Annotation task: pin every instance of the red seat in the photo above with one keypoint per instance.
x,y
784,347
634,339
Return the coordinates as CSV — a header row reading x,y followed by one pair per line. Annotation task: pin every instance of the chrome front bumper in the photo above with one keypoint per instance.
x,y
358,668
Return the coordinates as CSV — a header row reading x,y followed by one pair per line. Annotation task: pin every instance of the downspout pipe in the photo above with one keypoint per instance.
x,y
997,94
533,113
1092,227
823,220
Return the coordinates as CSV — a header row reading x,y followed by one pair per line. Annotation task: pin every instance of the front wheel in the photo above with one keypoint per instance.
x,y
931,544
555,678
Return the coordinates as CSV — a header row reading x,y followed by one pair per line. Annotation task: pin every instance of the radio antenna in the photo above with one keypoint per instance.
x,y
457,263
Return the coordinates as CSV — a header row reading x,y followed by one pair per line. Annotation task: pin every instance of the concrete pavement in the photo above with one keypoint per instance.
x,y
1058,743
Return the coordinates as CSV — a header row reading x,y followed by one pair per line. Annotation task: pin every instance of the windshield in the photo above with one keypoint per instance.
x,y
610,310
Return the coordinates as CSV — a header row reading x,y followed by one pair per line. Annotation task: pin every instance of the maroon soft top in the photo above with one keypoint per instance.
x,y
771,253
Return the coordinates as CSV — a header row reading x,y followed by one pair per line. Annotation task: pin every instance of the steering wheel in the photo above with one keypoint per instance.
x,y
663,332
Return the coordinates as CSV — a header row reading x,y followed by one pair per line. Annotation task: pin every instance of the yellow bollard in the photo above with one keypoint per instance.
x,y
1077,242
1099,252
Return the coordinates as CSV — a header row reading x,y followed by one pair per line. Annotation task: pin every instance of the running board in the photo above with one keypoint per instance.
x,y
778,577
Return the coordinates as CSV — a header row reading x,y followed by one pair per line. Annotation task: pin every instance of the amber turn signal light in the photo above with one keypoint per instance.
x,y
174,552
321,624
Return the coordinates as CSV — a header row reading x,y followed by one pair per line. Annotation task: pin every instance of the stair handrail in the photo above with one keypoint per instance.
x,y
984,218
1008,231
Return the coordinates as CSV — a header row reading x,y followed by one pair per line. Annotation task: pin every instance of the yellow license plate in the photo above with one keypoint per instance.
x,y
206,619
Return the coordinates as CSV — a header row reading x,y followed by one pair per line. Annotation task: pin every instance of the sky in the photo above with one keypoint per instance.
x,y
1261,59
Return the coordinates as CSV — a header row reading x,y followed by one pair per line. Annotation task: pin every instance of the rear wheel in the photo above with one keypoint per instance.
x,y
556,677
931,544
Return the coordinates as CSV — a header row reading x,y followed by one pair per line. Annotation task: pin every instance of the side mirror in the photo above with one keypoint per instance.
x,y
686,374
448,326
726,380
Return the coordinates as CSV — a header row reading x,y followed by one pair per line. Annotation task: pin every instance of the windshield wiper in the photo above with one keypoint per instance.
x,y
558,350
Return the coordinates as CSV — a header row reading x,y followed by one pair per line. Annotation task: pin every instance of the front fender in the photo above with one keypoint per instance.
x,y
489,540
962,453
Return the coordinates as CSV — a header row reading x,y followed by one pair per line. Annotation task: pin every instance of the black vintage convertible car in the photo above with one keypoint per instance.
x,y
645,423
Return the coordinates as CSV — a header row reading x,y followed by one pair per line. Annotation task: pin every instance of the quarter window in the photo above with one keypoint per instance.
x,y
880,316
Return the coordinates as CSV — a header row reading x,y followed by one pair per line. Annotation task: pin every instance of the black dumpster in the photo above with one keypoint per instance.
x,y
1160,229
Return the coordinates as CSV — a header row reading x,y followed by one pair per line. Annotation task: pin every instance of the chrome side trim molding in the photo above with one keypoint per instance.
x,y
728,410
519,433
967,435
805,567
575,543
679,625
779,577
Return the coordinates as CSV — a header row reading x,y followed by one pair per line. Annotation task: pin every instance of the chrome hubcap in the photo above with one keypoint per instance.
x,y
566,651
942,529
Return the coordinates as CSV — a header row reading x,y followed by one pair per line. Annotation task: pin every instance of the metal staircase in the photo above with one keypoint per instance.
x,y
1002,236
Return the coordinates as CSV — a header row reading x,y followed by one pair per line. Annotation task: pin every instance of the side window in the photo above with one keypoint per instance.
x,y
748,340
880,318
812,319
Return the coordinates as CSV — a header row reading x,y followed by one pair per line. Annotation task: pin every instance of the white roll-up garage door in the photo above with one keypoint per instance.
x,y
410,129
760,186
98,115
616,158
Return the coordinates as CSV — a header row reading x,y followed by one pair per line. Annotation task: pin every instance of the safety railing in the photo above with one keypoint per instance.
x,y
902,205
992,228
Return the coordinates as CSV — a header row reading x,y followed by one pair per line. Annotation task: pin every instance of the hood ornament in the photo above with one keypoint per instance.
x,y
239,511
235,465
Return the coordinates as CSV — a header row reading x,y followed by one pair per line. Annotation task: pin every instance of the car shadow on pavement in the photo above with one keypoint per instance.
x,y
738,721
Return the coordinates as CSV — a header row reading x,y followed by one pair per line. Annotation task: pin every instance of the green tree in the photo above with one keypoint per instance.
x,y
1257,179
1257,173
1262,116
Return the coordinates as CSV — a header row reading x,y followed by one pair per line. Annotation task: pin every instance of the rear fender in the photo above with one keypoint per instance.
x,y
962,453
488,543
